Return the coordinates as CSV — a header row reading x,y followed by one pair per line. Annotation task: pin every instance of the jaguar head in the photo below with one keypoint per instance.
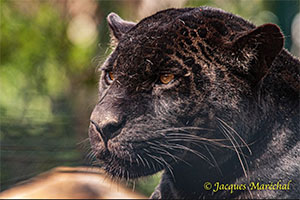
x,y
174,87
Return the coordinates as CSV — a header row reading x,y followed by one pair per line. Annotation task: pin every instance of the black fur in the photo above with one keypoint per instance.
x,y
231,114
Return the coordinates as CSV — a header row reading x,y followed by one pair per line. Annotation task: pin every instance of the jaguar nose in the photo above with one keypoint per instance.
x,y
107,130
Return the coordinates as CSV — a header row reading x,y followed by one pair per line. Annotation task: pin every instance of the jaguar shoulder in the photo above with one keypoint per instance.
x,y
205,96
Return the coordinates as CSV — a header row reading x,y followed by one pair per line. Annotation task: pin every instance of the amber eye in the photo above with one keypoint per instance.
x,y
110,76
166,78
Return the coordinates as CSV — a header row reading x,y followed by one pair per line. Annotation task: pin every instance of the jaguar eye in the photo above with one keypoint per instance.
x,y
166,78
110,76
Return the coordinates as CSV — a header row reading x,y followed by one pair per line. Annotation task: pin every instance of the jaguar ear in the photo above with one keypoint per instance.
x,y
263,44
118,27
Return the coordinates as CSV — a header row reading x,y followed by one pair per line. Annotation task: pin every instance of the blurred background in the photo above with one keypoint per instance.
x,y
50,50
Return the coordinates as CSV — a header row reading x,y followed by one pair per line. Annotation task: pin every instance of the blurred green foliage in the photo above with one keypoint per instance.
x,y
39,66
48,83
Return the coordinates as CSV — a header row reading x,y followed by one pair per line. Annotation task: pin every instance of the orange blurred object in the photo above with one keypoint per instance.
x,y
70,183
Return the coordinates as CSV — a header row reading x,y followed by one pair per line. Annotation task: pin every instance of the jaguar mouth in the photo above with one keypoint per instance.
x,y
121,163
128,167
125,169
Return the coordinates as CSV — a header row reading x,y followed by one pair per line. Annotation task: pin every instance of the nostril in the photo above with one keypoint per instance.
x,y
111,130
99,130
108,131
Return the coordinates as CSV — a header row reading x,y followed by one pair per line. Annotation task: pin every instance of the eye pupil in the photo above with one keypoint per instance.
x,y
166,78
